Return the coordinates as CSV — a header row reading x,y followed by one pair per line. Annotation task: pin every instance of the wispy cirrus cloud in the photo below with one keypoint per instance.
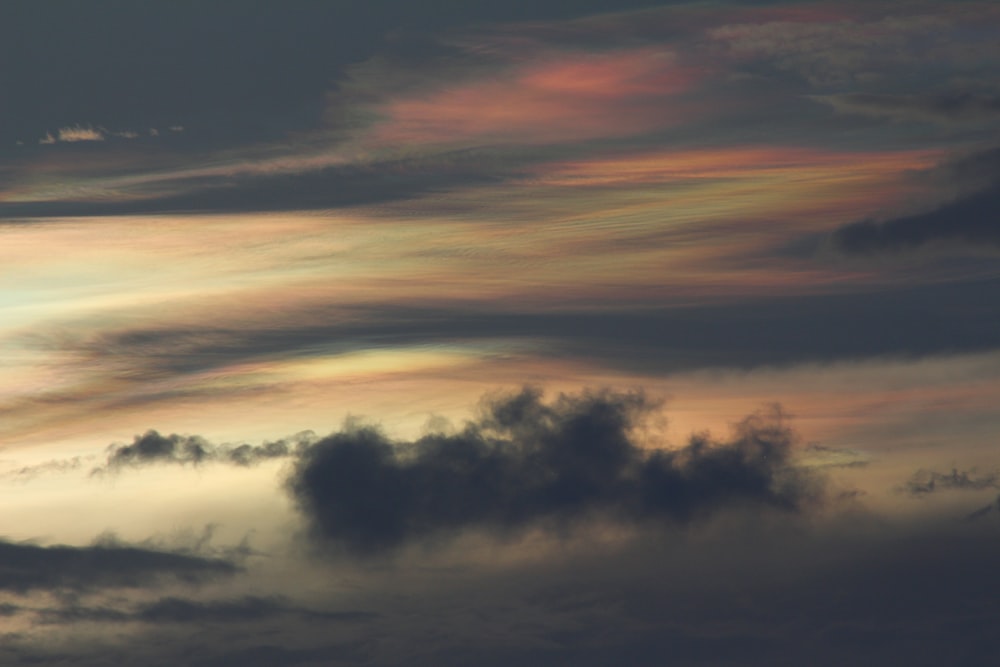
x,y
552,98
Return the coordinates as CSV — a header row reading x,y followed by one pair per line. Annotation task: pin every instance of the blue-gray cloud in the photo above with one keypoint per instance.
x,y
107,564
151,447
528,462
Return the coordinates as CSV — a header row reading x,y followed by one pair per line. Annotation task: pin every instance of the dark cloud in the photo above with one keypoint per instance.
x,y
75,613
924,482
271,655
970,219
151,448
248,608
175,610
25,473
526,462
26,567
983,511
973,220
953,107
229,72
308,189
908,321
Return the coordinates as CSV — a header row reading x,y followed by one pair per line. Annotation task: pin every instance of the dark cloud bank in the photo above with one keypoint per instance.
x,y
526,462
900,322
730,568
106,564
972,219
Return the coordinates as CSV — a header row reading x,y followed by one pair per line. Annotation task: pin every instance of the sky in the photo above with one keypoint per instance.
x,y
539,333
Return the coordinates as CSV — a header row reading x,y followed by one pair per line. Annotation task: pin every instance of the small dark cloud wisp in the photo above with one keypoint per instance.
x,y
176,610
955,107
152,447
106,564
925,482
527,462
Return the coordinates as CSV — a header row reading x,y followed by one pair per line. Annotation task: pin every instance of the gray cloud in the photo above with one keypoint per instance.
x,y
983,511
899,322
973,220
25,473
526,462
924,482
25,567
151,447
740,594
247,73
943,107
286,189
176,610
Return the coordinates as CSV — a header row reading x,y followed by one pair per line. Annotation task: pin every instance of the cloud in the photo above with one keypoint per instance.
x,y
80,133
551,99
526,462
983,511
176,610
822,456
25,473
293,183
77,133
106,564
844,46
151,448
943,107
973,220
924,482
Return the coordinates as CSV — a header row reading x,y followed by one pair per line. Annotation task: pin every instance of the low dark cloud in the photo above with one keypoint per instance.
x,y
836,457
108,563
924,482
176,610
247,608
152,448
527,462
972,220
271,655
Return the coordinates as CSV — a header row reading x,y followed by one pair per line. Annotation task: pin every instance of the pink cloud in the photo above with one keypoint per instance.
x,y
560,97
